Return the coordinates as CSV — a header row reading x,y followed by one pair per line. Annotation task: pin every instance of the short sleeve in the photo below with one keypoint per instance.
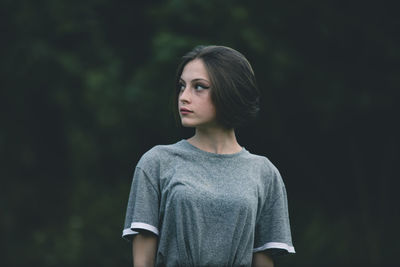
x,y
272,231
143,205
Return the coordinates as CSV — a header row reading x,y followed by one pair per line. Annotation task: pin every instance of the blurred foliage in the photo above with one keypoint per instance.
x,y
86,90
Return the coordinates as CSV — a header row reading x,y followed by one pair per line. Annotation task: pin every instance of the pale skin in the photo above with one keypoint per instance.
x,y
197,111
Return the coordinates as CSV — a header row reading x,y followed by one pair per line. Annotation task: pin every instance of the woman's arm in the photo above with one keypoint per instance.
x,y
261,259
144,249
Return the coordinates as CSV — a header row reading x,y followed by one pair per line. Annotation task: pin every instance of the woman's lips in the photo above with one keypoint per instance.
x,y
185,111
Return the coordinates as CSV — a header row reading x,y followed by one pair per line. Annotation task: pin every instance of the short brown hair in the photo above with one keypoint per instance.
x,y
234,90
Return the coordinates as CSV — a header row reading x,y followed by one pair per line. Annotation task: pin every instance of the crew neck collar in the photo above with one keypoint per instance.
x,y
188,145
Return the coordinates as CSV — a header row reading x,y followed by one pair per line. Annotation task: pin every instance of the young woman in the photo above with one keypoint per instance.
x,y
207,201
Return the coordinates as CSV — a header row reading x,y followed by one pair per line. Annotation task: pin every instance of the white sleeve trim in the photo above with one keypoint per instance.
x,y
128,231
279,245
145,226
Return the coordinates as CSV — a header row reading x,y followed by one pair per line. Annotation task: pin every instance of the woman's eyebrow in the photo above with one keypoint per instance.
x,y
194,80
199,79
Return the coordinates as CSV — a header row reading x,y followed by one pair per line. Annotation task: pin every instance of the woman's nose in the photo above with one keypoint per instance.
x,y
184,95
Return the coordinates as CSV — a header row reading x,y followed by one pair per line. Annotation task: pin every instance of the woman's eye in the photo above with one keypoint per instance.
x,y
181,86
200,87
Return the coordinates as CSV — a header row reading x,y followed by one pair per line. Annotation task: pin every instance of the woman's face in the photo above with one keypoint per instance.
x,y
194,101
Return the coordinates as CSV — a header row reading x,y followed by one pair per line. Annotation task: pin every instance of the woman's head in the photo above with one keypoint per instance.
x,y
233,87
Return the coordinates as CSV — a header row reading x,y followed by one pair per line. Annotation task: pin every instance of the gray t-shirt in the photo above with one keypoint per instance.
x,y
208,209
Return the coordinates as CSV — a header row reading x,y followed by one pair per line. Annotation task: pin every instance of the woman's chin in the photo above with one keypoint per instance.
x,y
189,125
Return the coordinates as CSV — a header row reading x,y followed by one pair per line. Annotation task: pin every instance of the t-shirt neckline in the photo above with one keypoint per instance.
x,y
206,153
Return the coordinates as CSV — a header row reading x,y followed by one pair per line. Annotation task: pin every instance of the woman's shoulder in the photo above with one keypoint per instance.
x,y
260,159
263,163
157,154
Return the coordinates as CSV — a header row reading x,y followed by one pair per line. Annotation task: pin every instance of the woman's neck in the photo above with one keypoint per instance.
x,y
215,140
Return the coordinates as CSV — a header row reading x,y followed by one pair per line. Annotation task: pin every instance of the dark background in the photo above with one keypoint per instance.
x,y
85,89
